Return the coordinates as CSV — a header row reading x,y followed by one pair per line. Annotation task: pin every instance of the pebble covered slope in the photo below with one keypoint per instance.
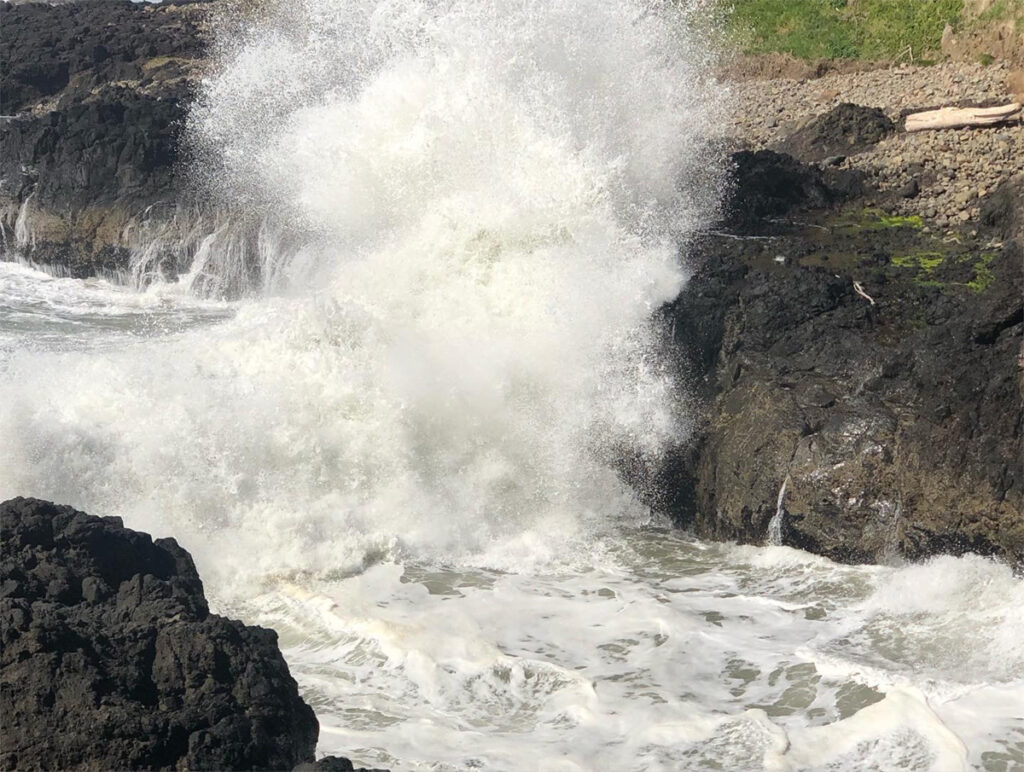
x,y
954,169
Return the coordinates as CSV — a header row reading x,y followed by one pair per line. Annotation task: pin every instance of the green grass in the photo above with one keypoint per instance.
x,y
861,29
1001,10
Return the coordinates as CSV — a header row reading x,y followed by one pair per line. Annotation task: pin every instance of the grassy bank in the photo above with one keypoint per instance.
x,y
904,30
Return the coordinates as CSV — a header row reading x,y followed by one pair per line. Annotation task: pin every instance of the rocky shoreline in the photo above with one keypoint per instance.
x,y
854,325
858,377
850,337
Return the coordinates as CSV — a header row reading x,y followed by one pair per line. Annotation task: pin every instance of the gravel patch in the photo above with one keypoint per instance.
x,y
942,176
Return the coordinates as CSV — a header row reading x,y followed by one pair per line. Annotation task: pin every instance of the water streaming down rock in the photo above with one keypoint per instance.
x,y
776,524
480,208
189,249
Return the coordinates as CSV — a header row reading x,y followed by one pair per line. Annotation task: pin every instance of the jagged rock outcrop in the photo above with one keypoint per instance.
x,y
112,660
895,412
93,97
844,130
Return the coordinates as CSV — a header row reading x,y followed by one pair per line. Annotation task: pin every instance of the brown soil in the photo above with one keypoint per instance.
x,y
744,67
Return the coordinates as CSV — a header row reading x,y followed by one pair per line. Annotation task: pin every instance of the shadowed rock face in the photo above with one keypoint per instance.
x,y
766,184
898,422
111,659
94,96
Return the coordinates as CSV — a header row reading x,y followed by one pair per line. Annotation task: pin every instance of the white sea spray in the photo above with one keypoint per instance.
x,y
484,204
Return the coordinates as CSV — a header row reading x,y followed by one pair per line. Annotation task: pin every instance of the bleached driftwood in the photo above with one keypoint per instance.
x,y
859,289
961,117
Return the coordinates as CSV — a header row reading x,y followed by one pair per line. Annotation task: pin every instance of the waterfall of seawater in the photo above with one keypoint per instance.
x,y
401,452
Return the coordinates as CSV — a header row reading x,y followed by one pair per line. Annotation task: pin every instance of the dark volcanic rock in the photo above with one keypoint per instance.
x,y
1003,211
765,184
87,171
90,45
898,422
94,96
845,130
111,659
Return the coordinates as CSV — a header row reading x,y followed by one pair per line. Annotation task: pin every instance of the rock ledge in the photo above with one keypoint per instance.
x,y
111,659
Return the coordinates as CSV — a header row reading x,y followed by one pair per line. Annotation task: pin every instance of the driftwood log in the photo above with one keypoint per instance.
x,y
961,117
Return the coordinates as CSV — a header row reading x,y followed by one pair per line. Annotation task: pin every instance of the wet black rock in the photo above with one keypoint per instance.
x,y
112,660
843,131
66,52
876,367
93,97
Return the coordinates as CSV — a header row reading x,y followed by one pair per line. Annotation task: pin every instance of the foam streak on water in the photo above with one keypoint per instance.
x,y
664,654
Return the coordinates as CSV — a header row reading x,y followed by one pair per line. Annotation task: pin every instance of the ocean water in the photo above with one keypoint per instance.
x,y
400,449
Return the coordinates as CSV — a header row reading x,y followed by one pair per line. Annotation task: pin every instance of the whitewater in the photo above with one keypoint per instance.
x,y
400,444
